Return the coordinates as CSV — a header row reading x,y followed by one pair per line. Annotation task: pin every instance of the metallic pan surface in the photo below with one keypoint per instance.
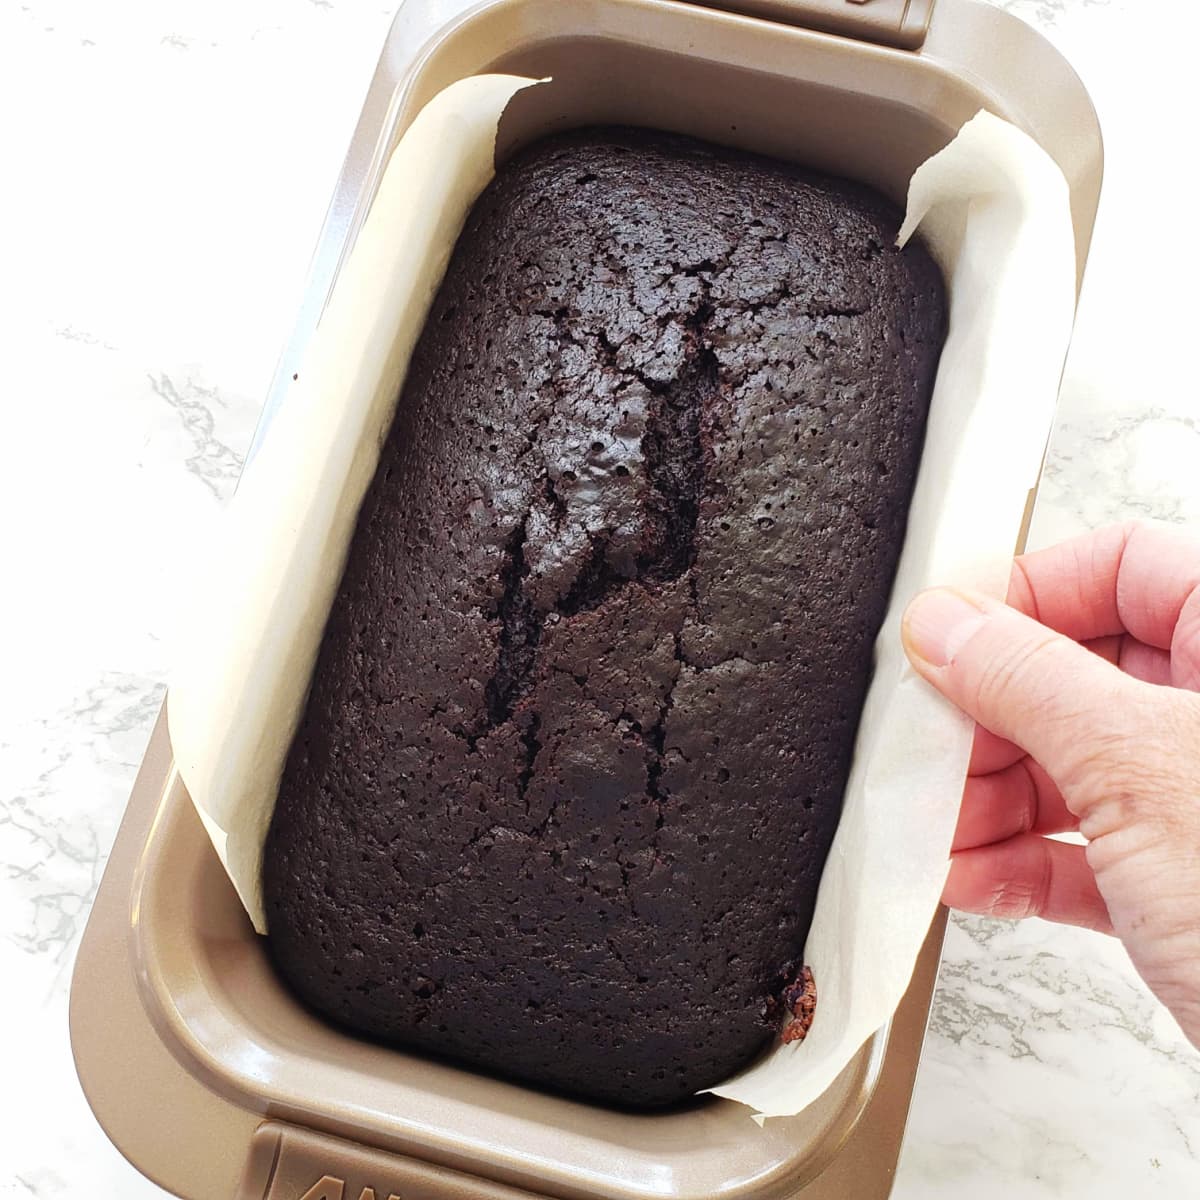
x,y
178,1023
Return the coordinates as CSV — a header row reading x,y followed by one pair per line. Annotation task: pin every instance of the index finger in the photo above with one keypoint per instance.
x,y
1133,578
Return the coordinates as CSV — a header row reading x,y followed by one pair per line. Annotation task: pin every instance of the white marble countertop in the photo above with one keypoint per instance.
x,y
155,151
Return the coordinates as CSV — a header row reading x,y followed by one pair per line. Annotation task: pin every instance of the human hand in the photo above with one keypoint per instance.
x,y
1085,690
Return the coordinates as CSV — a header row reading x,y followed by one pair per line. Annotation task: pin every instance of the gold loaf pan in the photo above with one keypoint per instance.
x,y
200,1066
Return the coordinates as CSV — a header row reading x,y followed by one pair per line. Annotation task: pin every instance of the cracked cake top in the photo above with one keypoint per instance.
x,y
581,721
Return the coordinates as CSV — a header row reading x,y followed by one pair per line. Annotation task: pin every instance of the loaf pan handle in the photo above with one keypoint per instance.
x,y
288,1162
899,23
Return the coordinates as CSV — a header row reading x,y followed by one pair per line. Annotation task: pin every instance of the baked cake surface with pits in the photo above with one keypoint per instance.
x,y
583,714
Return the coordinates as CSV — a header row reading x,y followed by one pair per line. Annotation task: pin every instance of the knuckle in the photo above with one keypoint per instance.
x,y
1018,898
1006,673
1025,798
1022,684
1109,761
1144,769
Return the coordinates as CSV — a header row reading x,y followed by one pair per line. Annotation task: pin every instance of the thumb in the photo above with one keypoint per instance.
x,y
1053,698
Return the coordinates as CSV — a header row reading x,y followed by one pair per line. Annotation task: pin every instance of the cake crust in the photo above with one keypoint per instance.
x,y
578,732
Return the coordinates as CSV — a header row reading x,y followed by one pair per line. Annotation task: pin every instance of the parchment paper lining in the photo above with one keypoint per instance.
x,y
994,209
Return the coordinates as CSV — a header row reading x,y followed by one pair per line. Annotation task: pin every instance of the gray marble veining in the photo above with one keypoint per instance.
x,y
211,460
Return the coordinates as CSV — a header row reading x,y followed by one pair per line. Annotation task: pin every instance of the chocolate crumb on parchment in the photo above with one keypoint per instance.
x,y
800,1003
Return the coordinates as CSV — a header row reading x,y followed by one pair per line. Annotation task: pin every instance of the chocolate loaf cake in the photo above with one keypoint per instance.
x,y
582,718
